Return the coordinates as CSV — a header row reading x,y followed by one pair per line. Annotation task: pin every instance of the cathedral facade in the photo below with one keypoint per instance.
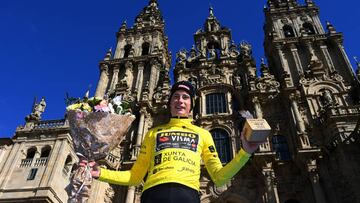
x,y
308,92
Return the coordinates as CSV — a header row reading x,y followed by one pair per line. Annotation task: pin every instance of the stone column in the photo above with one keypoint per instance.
x,y
115,77
257,107
299,121
202,104
54,167
314,179
347,61
140,133
130,196
284,63
119,51
271,192
327,56
228,101
129,74
153,79
139,80
11,162
297,60
103,81
318,24
311,51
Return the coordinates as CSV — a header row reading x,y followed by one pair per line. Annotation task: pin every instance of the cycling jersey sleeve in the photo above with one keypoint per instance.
x,y
221,174
135,175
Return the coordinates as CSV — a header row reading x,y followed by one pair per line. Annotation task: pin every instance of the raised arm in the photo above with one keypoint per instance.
x,y
135,175
221,174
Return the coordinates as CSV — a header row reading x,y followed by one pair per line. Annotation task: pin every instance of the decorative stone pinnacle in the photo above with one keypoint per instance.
x,y
330,27
211,11
262,61
153,3
108,54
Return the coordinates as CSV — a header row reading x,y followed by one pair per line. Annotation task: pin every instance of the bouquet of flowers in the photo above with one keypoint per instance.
x,y
97,126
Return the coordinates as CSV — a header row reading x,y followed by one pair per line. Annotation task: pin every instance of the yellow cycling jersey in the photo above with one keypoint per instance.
x,y
172,153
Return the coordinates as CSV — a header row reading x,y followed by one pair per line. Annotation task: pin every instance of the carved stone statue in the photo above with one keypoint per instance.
x,y
237,80
38,109
212,53
181,56
327,98
245,49
193,54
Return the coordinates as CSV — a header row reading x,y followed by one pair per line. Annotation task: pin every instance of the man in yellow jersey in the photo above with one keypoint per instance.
x,y
171,154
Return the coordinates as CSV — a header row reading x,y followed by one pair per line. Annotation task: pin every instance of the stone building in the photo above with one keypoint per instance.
x,y
307,92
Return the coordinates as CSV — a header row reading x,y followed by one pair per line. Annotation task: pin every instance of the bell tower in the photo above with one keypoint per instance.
x,y
138,70
141,59
317,85
296,42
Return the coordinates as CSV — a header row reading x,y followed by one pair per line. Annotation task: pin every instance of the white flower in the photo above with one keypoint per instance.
x,y
117,100
111,107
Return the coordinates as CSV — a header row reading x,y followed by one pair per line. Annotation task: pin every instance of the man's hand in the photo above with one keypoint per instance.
x,y
94,167
249,147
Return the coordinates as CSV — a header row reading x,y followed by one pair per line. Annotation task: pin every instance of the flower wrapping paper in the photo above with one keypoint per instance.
x,y
94,135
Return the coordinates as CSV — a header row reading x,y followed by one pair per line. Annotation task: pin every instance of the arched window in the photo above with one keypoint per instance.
x,y
288,31
45,151
215,103
281,148
213,49
127,50
68,165
145,49
30,154
222,144
309,28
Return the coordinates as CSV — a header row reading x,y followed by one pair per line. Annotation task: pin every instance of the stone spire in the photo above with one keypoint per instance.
x,y
309,2
150,16
211,23
211,11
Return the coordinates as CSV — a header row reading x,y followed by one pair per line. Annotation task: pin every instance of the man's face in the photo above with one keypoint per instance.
x,y
180,104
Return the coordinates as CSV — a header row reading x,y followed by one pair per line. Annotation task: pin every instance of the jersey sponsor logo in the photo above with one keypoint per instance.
x,y
163,168
177,139
212,148
157,159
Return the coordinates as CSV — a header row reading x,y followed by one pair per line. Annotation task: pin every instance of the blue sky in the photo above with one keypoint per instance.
x,y
48,48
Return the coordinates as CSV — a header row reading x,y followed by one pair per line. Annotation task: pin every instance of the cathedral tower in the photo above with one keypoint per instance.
x,y
139,71
317,85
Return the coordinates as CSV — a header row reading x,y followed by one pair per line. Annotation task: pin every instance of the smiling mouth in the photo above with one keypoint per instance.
x,y
179,108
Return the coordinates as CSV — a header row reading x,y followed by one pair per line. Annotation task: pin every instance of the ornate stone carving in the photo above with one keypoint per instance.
x,y
233,52
181,56
245,49
109,195
237,81
37,110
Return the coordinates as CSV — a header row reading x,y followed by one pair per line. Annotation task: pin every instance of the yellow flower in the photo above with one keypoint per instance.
x,y
74,107
80,106
86,107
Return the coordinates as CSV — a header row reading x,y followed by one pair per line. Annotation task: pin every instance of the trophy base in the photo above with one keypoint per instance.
x,y
256,130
